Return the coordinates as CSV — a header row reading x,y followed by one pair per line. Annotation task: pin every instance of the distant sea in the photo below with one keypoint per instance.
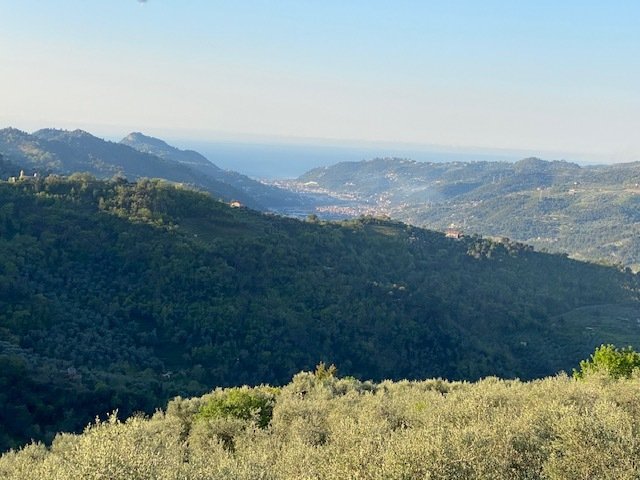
x,y
271,161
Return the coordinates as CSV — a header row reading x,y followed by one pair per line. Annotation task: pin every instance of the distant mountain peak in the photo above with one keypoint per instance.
x,y
81,133
538,163
13,132
61,134
532,160
160,148
141,137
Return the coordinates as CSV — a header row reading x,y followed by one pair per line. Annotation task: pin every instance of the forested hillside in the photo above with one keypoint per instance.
x,y
122,295
8,169
590,212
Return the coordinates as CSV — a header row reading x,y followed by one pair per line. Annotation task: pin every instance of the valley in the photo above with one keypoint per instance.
x,y
118,294
319,240
588,212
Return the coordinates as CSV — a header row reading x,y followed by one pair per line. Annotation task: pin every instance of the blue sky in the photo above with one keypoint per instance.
x,y
558,76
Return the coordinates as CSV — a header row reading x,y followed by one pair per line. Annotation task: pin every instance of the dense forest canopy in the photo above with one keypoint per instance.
x,y
122,295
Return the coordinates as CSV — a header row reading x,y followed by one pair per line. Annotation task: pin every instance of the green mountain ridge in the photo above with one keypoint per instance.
x,y
270,197
123,295
589,212
64,152
162,149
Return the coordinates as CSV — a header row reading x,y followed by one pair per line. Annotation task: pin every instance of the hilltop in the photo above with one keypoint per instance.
x,y
160,148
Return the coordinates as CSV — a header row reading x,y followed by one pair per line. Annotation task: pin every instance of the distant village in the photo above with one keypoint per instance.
x,y
22,176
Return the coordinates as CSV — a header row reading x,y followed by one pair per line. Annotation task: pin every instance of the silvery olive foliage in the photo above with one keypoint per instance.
x,y
324,427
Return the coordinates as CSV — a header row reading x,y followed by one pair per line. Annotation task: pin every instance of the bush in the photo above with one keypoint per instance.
x,y
610,361
242,403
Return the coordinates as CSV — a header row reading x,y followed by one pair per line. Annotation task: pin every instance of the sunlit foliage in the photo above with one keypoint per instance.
x,y
610,361
334,428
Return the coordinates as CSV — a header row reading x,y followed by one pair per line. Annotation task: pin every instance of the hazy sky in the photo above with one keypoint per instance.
x,y
559,75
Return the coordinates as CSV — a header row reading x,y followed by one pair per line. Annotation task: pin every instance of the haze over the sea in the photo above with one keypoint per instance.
x,y
531,77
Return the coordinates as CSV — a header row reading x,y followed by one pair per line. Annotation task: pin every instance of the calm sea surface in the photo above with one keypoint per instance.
x,y
278,161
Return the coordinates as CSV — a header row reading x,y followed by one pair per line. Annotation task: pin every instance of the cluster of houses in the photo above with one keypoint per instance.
x,y
453,232
22,176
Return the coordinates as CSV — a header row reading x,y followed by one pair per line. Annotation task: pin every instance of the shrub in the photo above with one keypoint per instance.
x,y
242,403
610,361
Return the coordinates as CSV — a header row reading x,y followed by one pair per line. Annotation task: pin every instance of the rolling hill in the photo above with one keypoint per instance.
x,y
589,212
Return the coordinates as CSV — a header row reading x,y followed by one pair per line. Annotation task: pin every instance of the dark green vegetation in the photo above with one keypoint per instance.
x,y
589,212
136,156
327,428
121,295
8,169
